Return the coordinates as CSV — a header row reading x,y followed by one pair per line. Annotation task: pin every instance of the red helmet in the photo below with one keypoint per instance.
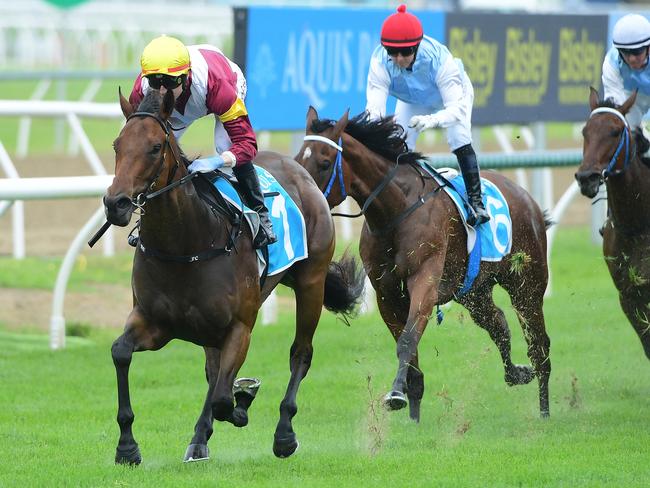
x,y
401,29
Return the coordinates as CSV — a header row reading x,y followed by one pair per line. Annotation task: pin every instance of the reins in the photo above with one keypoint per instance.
x,y
142,198
338,170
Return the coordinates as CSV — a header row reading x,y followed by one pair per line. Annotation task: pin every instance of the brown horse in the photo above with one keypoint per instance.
x,y
195,274
610,157
413,247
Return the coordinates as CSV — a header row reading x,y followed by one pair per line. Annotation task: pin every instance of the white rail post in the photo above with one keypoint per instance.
x,y
57,321
18,209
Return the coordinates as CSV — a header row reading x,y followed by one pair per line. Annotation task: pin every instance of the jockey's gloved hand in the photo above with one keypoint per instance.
x,y
424,122
205,165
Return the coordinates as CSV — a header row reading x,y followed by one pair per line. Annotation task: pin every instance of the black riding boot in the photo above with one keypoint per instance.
x,y
470,170
249,185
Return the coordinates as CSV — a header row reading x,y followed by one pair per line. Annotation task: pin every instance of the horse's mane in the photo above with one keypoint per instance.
x,y
609,103
382,136
151,104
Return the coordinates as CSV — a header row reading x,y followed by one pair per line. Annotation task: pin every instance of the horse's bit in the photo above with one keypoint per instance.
x,y
623,142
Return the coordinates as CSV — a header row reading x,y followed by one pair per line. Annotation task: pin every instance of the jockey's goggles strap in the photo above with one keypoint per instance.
x,y
609,110
327,141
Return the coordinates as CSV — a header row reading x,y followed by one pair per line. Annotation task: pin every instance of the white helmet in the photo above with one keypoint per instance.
x,y
631,31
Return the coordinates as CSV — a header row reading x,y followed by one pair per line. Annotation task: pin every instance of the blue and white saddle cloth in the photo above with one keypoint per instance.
x,y
288,222
490,241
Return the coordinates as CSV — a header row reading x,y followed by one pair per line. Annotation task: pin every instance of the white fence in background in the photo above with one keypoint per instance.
x,y
15,189
102,35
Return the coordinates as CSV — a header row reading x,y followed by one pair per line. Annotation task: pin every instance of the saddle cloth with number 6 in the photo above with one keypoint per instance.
x,y
288,222
496,234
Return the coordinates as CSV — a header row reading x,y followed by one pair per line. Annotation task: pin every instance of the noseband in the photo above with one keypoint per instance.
x,y
624,142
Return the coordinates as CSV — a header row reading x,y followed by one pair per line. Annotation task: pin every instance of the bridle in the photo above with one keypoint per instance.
x,y
142,198
623,143
338,170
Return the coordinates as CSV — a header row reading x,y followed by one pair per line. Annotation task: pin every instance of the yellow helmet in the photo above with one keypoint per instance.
x,y
165,56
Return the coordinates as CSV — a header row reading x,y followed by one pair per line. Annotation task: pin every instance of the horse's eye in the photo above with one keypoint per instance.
x,y
615,133
155,149
324,165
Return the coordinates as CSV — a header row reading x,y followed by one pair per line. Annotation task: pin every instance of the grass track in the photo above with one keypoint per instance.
x,y
57,410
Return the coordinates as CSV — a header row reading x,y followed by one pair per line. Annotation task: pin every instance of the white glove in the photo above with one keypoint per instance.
x,y
424,122
205,165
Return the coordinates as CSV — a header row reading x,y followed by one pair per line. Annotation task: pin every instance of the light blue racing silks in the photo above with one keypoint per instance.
x,y
288,222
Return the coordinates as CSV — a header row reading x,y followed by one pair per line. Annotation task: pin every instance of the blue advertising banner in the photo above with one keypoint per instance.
x,y
294,58
529,68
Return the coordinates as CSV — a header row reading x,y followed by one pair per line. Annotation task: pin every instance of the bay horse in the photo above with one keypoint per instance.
x,y
195,274
610,156
416,257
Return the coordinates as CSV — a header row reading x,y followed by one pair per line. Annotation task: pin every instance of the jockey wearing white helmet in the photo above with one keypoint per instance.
x,y
432,90
626,69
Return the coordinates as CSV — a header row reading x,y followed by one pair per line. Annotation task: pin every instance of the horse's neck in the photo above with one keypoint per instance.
x,y
368,171
178,222
628,199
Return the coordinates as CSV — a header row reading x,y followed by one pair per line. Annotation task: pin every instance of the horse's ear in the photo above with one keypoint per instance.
x,y
342,123
593,98
127,108
167,106
625,108
311,116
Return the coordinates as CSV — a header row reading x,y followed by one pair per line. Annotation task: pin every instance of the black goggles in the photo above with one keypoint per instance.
x,y
169,82
633,52
404,51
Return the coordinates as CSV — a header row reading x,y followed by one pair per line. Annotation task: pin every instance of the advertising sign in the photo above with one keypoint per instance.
x,y
294,58
528,68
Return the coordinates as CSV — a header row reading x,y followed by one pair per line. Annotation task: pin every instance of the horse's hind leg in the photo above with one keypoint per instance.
x,y
488,316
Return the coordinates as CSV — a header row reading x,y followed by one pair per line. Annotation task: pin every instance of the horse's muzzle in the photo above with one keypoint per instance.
x,y
589,181
118,209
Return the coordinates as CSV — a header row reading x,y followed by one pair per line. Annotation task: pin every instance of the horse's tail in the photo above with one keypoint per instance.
x,y
548,221
344,286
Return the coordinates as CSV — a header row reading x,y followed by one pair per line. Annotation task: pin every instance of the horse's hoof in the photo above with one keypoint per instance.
x,y
248,386
239,417
285,447
544,414
520,374
395,400
128,455
196,452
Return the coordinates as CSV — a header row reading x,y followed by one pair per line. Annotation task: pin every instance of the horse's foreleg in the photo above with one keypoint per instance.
x,y
231,359
139,335
127,448
198,448
309,300
423,290
636,311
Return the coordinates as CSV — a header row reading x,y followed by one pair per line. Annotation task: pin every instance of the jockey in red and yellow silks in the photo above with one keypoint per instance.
x,y
205,81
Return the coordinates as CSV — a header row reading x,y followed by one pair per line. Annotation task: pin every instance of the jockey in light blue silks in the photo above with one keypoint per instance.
x,y
432,90
626,69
